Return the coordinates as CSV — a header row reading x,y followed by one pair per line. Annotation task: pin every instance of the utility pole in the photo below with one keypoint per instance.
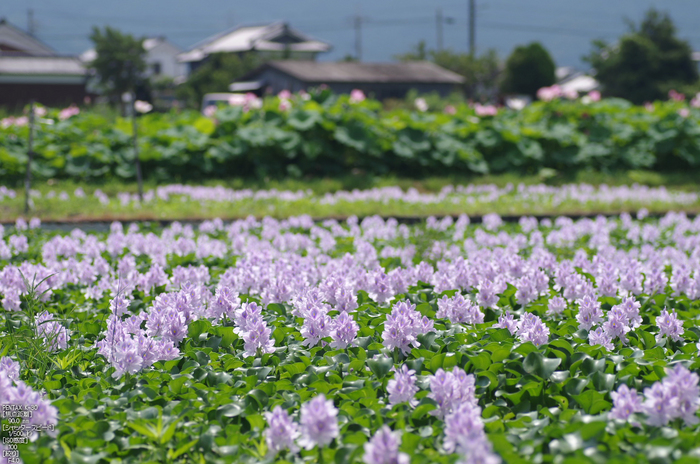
x,y
438,24
30,155
358,37
137,160
472,27
30,22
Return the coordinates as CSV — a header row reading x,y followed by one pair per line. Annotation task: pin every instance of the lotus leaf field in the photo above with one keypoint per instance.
x,y
326,135
265,340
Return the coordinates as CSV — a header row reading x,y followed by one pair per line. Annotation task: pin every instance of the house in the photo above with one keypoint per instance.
x,y
271,41
30,70
382,80
570,79
161,59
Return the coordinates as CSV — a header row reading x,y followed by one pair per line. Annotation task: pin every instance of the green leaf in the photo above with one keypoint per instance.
x,y
535,363
380,366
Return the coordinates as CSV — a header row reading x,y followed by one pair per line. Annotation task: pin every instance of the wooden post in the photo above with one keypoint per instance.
x,y
30,153
139,178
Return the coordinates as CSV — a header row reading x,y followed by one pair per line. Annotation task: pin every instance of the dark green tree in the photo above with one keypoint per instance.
x,y
215,75
120,63
528,69
646,62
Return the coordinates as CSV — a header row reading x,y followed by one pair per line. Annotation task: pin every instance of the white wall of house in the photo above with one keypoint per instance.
x,y
161,58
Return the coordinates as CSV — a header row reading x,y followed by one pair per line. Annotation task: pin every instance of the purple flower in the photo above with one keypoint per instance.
x,y
464,434
616,325
459,310
403,325
317,325
669,326
54,334
487,296
281,431
258,337
532,329
600,337
319,422
10,368
589,313
657,405
343,331
450,389
506,321
402,388
676,396
383,448
626,401
556,306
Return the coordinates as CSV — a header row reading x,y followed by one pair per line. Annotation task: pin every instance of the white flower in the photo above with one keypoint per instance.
x,y
421,104
142,106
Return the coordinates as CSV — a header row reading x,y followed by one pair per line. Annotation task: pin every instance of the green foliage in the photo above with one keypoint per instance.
x,y
208,405
120,61
215,75
528,69
328,135
646,63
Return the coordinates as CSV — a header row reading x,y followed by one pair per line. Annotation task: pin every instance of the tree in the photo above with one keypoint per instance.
x,y
119,64
646,62
215,75
528,69
480,72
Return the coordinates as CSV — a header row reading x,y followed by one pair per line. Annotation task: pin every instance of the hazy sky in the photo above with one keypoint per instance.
x,y
565,27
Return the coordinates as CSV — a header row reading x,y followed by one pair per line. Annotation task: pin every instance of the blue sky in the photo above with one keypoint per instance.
x,y
565,27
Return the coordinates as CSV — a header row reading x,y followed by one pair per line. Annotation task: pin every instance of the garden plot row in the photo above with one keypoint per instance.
x,y
371,341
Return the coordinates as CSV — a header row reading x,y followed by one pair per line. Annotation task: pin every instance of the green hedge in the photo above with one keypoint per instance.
x,y
328,135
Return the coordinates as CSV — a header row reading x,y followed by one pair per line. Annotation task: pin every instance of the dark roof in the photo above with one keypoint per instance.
x,y
18,39
327,72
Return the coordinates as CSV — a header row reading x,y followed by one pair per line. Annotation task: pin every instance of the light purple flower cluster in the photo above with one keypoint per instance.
x,y
529,328
459,310
556,306
507,321
15,392
318,426
464,434
451,389
589,312
455,394
626,401
677,396
54,334
532,329
129,348
621,319
251,326
343,331
319,422
383,448
402,388
281,432
403,326
669,326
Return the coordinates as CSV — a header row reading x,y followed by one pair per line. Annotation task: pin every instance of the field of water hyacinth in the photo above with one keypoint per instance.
x,y
551,341
177,201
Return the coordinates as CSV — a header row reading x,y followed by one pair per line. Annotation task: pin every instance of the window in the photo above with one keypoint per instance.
x,y
156,68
